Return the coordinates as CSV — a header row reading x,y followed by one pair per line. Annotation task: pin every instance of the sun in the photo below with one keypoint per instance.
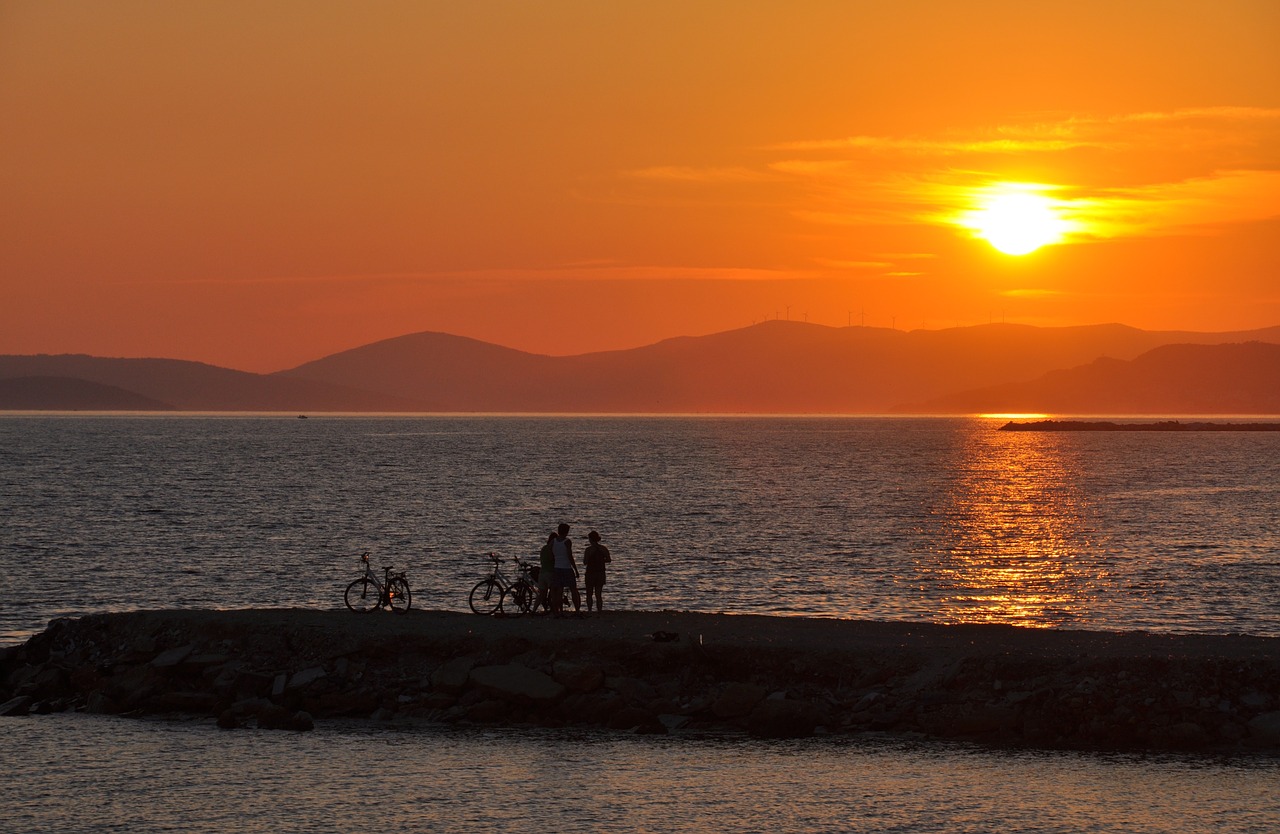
x,y
1016,218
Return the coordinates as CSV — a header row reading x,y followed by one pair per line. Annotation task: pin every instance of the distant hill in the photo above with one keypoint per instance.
x,y
60,393
1173,379
773,367
186,386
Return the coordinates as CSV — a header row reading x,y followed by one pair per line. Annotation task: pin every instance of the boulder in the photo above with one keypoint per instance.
x,y
348,702
578,677
634,690
303,679
1185,735
489,711
1264,729
99,703
276,717
452,677
738,699
777,718
192,702
518,684
673,722
172,657
17,706
632,718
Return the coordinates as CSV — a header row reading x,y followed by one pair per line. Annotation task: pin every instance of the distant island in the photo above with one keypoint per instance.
x,y
1163,425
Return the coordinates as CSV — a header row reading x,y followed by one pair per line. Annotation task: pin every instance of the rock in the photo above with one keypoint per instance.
x,y
452,677
673,722
598,709
99,703
134,683
49,682
303,679
144,645
578,677
203,661
632,718
278,685
227,720
275,717
1253,699
866,701
738,699
634,690
20,705
775,718
1186,735
20,677
517,683
193,702
1264,729
250,706
437,700
251,685
489,710
172,657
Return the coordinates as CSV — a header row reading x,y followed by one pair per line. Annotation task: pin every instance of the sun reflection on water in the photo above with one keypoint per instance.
x,y
1011,529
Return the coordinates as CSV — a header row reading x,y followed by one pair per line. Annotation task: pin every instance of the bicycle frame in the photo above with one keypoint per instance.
x,y
386,588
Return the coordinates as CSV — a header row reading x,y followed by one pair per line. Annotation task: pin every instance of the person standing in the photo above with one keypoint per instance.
x,y
546,570
566,573
595,557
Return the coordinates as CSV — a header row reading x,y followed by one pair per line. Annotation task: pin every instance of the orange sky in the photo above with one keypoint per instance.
x,y
259,184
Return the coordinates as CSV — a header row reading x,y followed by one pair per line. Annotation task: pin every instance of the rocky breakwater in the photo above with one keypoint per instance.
x,y
660,672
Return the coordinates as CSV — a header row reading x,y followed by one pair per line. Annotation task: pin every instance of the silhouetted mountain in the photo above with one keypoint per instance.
x,y
195,386
776,366
1173,379
60,393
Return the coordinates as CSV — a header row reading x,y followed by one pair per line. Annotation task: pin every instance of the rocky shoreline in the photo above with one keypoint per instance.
x,y
660,672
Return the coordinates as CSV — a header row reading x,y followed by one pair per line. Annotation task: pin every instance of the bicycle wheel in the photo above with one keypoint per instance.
x,y
486,597
362,595
398,595
517,600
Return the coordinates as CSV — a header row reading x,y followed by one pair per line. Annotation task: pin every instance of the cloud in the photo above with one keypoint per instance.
x,y
838,264
937,147
675,173
589,271
1144,173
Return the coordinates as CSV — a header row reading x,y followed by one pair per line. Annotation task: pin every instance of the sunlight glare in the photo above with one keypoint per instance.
x,y
1016,218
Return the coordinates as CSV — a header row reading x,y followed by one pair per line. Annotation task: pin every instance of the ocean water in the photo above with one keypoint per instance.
x,y
943,520
82,773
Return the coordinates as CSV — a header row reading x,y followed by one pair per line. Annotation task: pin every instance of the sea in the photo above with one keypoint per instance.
x,y
944,520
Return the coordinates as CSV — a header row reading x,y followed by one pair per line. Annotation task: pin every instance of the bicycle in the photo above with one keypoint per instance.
x,y
368,592
496,594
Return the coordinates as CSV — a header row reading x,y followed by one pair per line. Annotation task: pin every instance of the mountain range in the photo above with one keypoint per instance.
x,y
772,367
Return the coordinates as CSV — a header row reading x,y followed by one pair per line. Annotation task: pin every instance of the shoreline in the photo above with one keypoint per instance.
x,y
661,672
